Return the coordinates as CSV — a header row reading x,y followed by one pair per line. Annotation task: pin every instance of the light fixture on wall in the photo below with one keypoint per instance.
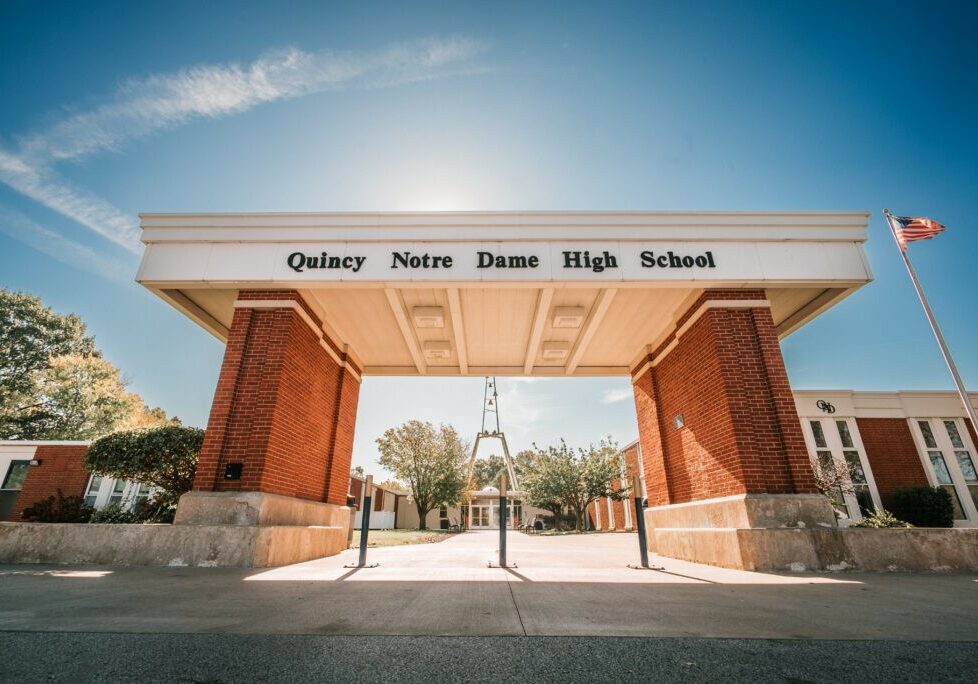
x,y
36,462
678,422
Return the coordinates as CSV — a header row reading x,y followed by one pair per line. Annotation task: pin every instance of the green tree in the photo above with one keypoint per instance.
x,y
486,471
556,478
54,383
164,457
429,460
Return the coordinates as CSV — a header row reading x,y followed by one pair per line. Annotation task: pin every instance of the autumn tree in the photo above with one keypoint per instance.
x,y
557,477
54,383
429,460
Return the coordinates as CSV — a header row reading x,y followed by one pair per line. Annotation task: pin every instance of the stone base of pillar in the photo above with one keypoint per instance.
x,y
257,508
747,531
205,546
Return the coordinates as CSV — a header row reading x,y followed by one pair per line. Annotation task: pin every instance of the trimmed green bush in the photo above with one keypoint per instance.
x,y
144,512
164,457
114,513
880,519
58,509
923,506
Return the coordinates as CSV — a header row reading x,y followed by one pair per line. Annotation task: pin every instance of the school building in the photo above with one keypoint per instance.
x,y
690,305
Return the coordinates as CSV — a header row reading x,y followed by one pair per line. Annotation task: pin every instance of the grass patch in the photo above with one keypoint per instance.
x,y
399,537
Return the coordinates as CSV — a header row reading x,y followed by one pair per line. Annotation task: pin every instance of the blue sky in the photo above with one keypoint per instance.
x,y
115,108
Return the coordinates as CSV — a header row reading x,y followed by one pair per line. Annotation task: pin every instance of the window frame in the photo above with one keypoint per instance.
x,y
833,444
10,466
950,461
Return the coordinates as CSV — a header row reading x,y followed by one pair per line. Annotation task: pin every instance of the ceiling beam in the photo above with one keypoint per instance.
x,y
458,327
407,332
600,308
544,298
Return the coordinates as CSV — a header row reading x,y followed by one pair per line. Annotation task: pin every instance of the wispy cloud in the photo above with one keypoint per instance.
x,y
614,396
139,108
19,227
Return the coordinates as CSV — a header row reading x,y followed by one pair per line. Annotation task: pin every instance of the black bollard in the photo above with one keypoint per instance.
x,y
643,548
502,520
365,524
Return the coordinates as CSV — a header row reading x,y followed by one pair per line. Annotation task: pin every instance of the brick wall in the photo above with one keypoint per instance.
x,y
283,408
741,432
61,468
892,455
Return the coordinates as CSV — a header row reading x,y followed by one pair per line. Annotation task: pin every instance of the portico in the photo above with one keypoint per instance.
x,y
690,305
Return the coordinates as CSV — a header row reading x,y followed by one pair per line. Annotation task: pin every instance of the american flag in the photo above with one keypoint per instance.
x,y
913,228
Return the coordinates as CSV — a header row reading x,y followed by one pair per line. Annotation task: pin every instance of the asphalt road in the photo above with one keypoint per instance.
x,y
106,657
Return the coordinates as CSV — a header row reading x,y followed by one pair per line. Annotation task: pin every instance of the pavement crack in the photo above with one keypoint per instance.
x,y
509,583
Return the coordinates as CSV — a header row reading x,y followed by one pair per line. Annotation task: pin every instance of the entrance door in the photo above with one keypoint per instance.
x,y
480,517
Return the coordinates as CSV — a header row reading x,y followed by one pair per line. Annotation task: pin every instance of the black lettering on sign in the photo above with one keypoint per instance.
x,y
673,260
490,260
409,260
586,260
300,262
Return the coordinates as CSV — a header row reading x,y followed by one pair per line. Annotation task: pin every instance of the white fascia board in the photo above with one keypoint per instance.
x,y
40,443
519,226
870,404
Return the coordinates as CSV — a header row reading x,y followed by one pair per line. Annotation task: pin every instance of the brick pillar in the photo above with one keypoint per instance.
x,y
722,371
285,405
725,460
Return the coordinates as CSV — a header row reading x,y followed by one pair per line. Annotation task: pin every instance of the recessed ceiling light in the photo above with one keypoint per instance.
x,y
555,350
568,316
437,349
428,316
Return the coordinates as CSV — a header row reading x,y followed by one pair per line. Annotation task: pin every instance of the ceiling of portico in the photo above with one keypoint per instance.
x,y
497,330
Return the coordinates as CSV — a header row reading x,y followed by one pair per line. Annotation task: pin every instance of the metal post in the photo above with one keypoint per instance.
x,y
643,548
365,519
945,352
366,505
502,520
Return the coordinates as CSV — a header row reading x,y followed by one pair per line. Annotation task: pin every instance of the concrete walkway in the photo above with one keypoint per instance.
x,y
564,586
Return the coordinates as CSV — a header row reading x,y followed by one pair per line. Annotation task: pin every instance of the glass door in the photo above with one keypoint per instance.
x,y
479,516
948,456
834,446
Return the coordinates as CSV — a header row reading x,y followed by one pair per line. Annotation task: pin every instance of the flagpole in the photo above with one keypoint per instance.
x,y
933,326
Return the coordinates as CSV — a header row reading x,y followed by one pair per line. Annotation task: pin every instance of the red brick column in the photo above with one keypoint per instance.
x,y
892,455
723,372
285,404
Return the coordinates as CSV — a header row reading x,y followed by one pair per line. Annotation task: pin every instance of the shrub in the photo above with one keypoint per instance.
x,y
58,509
163,457
152,511
114,513
881,518
924,506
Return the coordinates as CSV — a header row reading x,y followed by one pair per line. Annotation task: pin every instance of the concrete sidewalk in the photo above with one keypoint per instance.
x,y
567,585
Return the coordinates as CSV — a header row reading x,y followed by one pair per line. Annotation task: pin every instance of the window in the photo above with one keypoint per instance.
x,y
948,456
16,474
91,496
117,488
142,492
834,446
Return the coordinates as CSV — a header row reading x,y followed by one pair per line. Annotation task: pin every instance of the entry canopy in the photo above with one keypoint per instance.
x,y
503,293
